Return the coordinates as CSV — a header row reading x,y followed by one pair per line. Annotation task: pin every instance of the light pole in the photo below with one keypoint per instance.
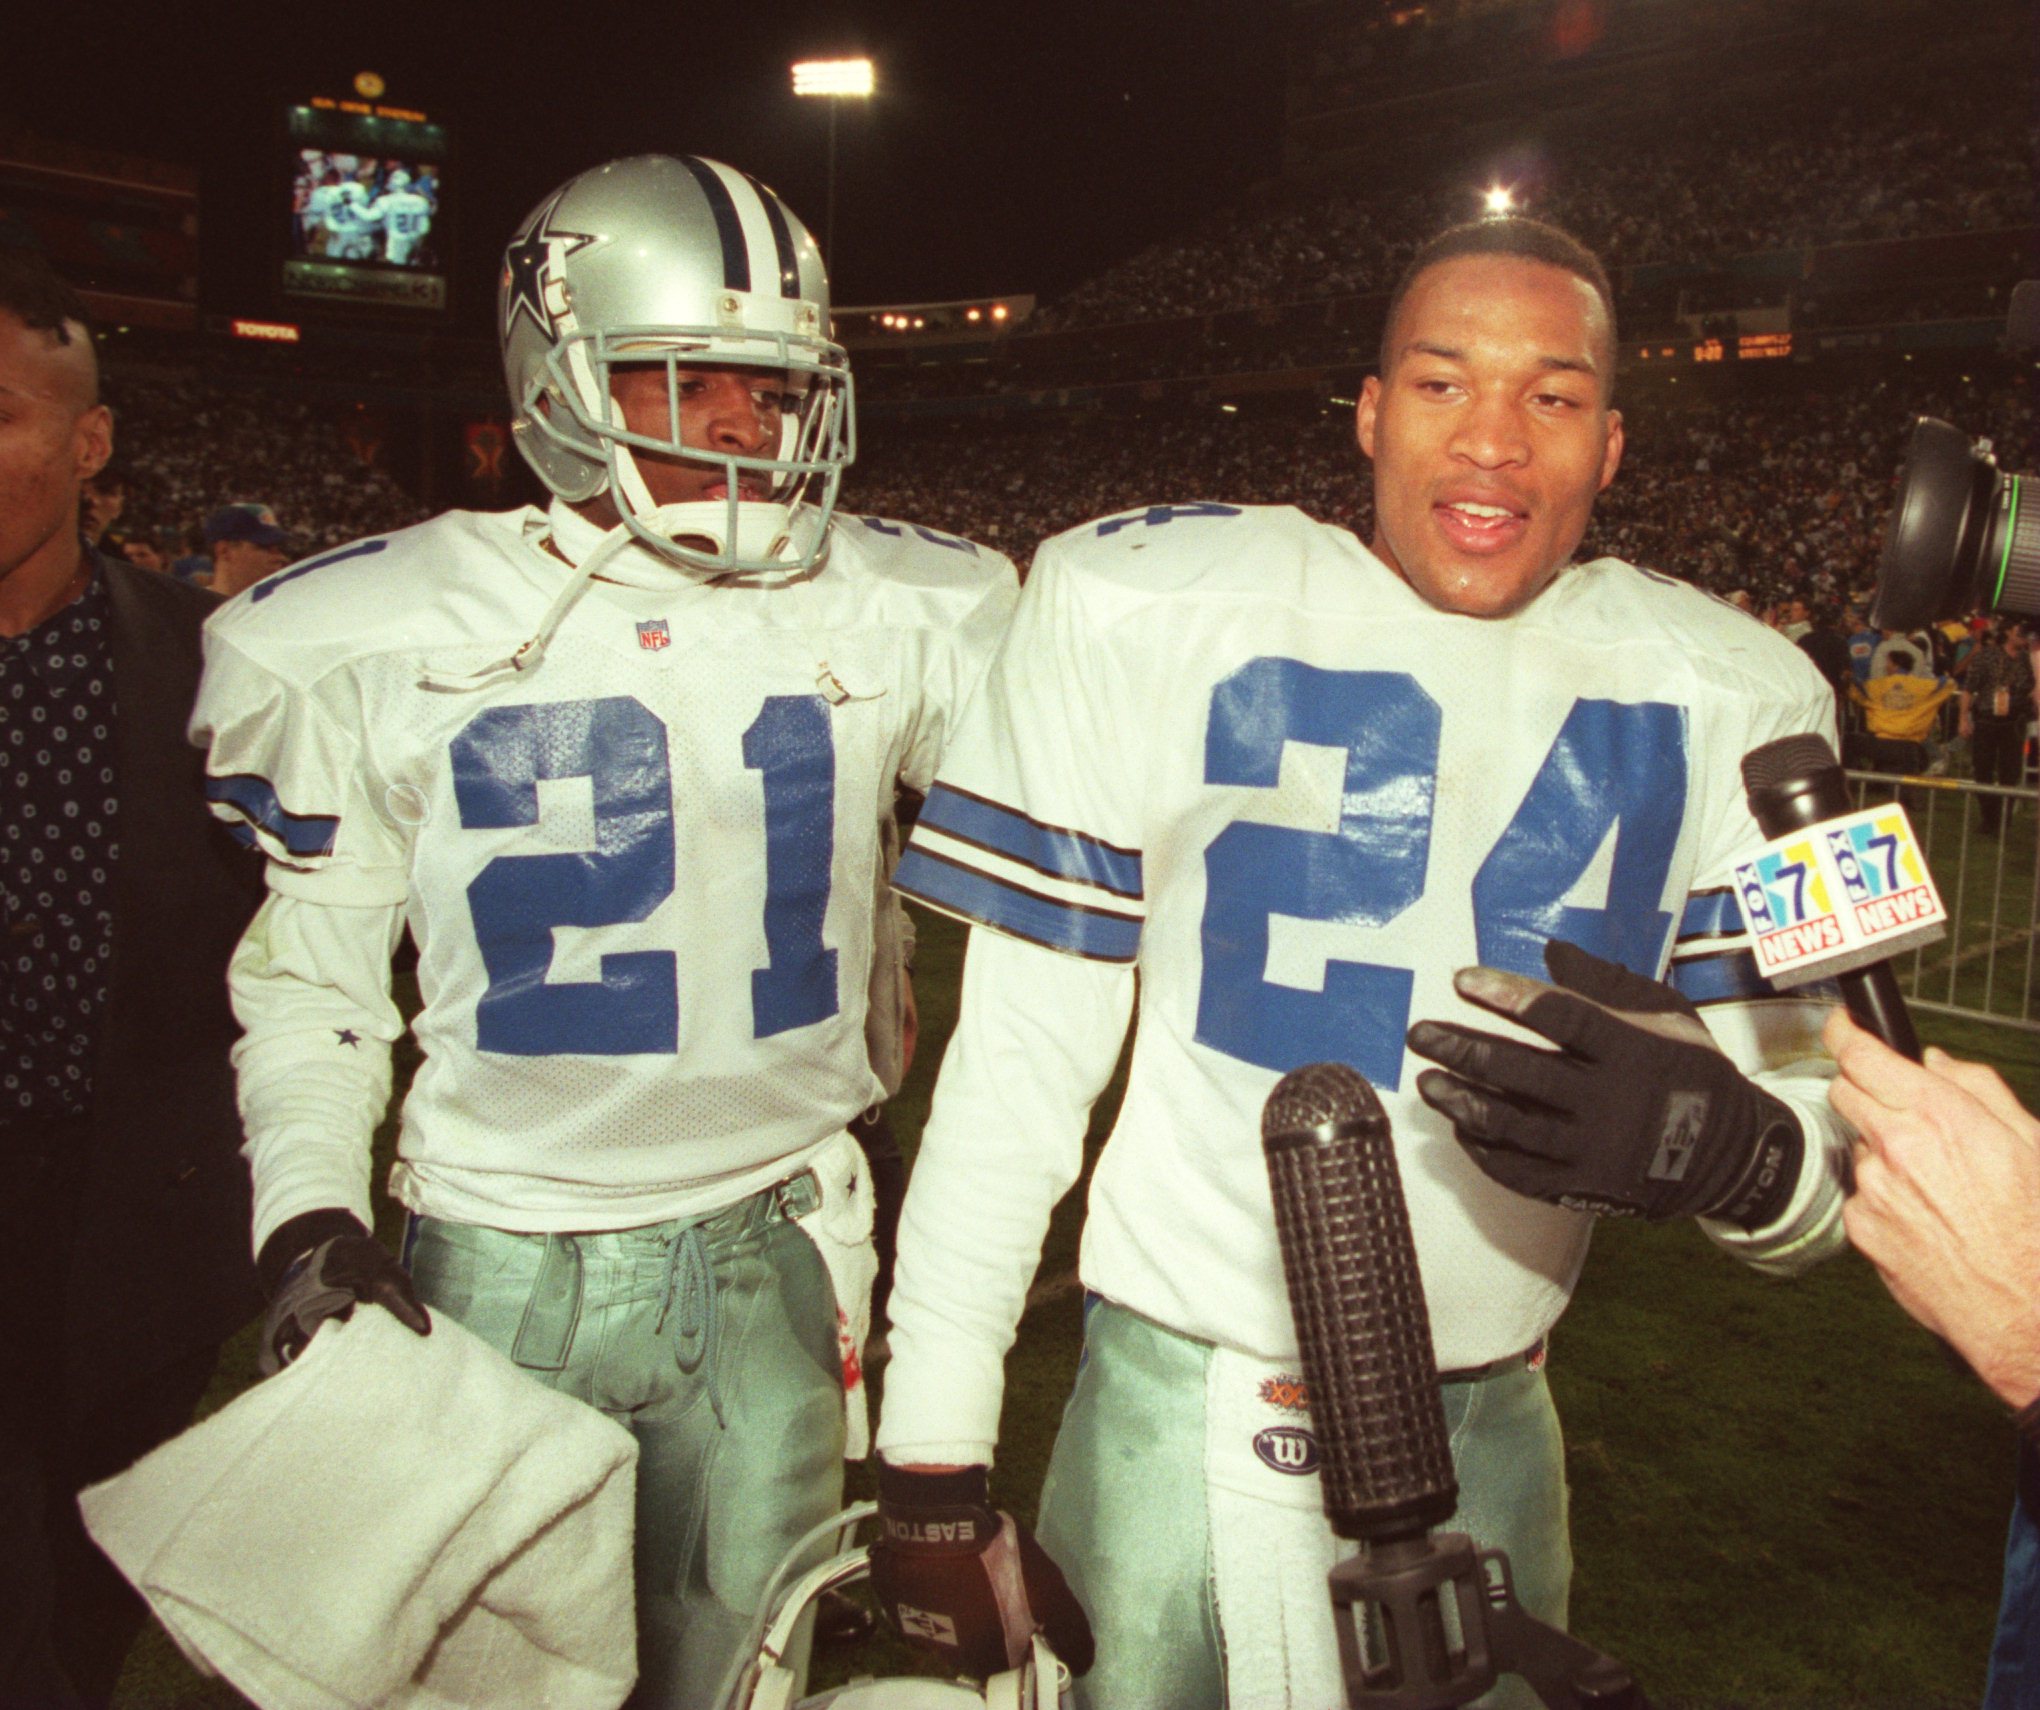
x,y
832,80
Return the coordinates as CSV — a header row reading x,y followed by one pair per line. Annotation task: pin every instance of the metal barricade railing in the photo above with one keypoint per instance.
x,y
1988,966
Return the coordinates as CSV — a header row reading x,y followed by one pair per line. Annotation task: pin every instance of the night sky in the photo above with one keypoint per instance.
x,y
1012,147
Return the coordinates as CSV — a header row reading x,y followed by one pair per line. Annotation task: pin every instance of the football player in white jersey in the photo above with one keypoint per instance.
x,y
619,765
405,217
1295,783
318,213
351,219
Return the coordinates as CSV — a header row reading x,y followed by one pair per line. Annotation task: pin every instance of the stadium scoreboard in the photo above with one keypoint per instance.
x,y
1745,347
365,221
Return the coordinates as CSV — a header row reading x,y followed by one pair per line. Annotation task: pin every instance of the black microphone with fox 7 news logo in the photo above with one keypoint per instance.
x,y
1796,786
1425,1620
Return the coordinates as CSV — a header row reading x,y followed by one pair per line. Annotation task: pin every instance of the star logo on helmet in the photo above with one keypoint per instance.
x,y
535,251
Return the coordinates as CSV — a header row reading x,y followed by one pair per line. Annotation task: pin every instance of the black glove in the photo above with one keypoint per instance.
x,y
1639,1115
316,1267
965,1583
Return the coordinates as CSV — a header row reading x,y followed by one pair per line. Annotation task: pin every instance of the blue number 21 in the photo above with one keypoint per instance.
x,y
1614,767
619,746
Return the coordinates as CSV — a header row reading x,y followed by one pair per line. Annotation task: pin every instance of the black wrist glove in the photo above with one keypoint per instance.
x,y
318,1266
1638,1115
968,1584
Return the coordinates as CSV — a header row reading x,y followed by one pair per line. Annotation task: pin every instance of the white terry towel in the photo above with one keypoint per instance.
x,y
391,1520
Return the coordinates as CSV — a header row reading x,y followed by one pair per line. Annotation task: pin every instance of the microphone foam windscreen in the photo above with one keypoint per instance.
x,y
1358,1301
1789,757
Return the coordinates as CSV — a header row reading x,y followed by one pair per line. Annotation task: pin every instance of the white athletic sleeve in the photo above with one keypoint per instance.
x,y
1772,1034
1034,825
1036,1040
311,978
1032,830
311,988
291,779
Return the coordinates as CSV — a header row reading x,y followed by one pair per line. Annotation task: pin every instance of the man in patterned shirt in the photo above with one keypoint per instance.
x,y
121,1270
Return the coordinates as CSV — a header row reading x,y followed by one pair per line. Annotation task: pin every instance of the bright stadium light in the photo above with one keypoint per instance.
x,y
832,77
835,81
1499,200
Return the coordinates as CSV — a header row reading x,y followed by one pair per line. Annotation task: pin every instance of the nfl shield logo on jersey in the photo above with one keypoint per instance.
x,y
653,635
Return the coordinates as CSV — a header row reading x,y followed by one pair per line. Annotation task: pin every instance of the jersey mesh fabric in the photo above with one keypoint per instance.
x,y
669,807
1325,797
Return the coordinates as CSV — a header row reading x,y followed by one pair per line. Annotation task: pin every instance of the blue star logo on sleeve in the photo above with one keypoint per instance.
x,y
347,1035
535,251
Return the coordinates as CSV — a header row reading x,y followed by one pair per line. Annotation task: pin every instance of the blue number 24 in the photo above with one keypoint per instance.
x,y
1614,767
619,746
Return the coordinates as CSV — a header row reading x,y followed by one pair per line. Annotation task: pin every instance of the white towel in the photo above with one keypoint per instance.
x,y
391,1520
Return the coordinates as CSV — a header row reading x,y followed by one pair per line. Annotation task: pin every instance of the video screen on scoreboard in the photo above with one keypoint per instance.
x,y
367,217
379,210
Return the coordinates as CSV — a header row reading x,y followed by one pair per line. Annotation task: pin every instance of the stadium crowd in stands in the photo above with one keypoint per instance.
x,y
1725,182
185,447
1776,496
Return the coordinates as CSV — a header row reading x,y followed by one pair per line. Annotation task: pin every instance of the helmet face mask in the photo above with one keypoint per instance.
x,y
676,265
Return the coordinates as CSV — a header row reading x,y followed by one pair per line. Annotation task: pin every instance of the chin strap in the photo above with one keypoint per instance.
x,y
542,535
529,656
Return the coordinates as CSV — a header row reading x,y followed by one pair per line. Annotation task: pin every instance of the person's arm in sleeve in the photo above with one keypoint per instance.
x,y
1031,835
311,989
1775,1041
310,982
1036,1040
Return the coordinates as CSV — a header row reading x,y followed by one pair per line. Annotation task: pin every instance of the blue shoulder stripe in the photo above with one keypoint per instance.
x,y
1711,914
1731,976
1092,933
255,799
269,584
1049,849
1720,978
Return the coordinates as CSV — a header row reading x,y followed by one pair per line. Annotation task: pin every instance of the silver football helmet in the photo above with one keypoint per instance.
x,y
680,262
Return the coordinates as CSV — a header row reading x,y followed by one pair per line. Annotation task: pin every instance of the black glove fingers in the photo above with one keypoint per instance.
x,y
1514,1069
1480,1116
362,1265
1610,983
1055,1606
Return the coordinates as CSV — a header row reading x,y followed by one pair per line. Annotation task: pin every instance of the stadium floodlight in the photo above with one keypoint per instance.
x,y
832,77
1499,199
833,80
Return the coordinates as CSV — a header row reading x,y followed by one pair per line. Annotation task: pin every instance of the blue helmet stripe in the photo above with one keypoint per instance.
x,y
782,239
736,257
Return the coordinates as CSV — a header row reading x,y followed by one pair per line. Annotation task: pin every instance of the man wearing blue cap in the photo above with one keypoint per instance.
x,y
247,544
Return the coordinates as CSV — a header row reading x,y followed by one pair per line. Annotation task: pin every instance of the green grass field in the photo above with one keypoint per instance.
x,y
1782,1495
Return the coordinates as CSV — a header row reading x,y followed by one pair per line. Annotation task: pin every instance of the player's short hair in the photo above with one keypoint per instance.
x,y
37,295
1514,235
1899,662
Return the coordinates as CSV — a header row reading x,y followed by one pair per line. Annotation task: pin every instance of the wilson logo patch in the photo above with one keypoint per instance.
x,y
1288,1449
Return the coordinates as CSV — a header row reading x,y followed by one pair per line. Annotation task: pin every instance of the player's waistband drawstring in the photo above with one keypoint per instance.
x,y
697,1334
